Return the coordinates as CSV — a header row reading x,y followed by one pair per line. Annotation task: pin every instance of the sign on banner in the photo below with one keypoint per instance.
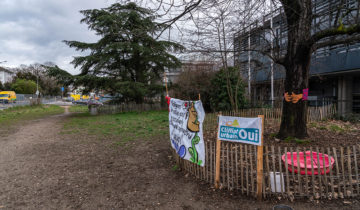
x,y
240,129
186,129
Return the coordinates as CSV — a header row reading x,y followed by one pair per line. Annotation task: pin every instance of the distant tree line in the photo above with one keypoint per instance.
x,y
27,77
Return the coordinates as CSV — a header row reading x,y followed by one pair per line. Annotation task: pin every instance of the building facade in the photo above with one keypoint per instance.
x,y
334,71
6,75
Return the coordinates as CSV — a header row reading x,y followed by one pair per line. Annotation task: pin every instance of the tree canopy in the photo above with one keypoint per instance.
x,y
127,59
23,86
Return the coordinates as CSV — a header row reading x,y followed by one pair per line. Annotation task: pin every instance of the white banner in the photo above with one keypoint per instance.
x,y
186,129
240,129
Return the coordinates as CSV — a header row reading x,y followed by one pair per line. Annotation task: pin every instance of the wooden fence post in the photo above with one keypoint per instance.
x,y
218,150
260,170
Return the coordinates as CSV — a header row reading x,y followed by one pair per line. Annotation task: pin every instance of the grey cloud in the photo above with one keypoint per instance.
x,y
32,30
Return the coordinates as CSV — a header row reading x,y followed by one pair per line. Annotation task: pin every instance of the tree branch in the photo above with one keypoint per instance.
x,y
187,9
349,40
334,32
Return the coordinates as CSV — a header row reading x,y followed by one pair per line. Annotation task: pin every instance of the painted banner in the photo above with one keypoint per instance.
x,y
240,129
186,133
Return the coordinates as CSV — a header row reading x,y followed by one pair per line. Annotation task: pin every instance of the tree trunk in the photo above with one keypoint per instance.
x,y
297,65
294,113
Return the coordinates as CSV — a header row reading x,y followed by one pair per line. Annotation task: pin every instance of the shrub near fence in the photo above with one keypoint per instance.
x,y
238,164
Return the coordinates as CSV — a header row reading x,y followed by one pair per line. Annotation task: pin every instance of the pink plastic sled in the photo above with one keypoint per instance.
x,y
305,162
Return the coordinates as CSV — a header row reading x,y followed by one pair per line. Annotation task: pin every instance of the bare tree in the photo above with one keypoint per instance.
x,y
307,32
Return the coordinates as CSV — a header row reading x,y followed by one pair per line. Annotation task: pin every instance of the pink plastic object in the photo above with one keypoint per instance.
x,y
305,162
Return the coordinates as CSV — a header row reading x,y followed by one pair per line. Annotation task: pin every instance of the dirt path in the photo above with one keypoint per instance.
x,y
43,169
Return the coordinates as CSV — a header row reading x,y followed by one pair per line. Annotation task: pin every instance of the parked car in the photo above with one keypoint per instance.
x,y
94,102
7,97
81,102
109,99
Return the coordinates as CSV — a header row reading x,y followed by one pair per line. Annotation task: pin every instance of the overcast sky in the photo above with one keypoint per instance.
x,y
32,30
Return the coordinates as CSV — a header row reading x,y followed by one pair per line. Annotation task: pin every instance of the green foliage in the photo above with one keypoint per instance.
x,y
23,86
220,100
127,59
37,73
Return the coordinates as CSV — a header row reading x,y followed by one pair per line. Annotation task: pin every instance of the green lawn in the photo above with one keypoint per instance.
x,y
122,127
19,113
79,109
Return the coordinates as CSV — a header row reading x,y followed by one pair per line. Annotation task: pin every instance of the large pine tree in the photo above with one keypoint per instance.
x,y
127,59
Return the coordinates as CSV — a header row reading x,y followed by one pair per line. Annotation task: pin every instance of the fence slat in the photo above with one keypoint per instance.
x,y
281,172
246,170
292,166
242,168
337,170
331,174
274,166
287,173
356,170
306,174
223,175
343,168
267,167
312,172
298,169
350,193
236,167
325,174
319,171
232,165
251,168
228,165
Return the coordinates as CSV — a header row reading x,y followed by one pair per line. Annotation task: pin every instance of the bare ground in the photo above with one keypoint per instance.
x,y
43,169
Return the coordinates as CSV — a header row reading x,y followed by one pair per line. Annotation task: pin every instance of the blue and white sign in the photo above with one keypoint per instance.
x,y
62,89
240,129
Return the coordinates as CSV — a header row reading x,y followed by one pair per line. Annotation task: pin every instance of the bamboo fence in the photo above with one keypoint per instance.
x,y
129,107
274,114
238,171
238,163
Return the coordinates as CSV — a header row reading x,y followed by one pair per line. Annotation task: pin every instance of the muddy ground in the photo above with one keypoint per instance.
x,y
40,168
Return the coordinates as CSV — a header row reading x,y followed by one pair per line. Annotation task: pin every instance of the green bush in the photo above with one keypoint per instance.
x,y
220,100
23,86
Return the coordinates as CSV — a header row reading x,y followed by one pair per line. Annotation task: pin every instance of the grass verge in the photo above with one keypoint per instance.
x,y
19,113
123,127
78,109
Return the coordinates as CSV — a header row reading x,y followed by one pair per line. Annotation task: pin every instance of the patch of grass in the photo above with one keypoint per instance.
x,y
290,139
301,141
175,168
312,125
273,135
322,128
123,127
79,109
19,113
336,128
